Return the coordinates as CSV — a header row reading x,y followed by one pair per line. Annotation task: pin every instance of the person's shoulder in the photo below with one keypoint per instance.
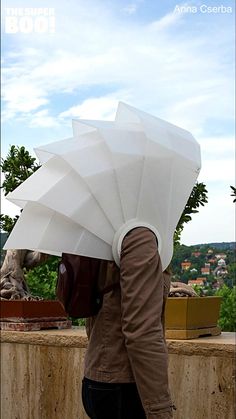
x,y
140,232
141,235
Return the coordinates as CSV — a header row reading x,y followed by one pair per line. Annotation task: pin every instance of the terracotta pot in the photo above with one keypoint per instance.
x,y
18,310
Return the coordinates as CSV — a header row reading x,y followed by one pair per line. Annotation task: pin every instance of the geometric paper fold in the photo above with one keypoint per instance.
x,y
111,176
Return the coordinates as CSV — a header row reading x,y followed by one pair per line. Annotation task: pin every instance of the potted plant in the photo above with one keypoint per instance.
x,y
188,315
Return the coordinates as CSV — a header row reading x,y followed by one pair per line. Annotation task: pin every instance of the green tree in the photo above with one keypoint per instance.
x,y
181,253
227,320
232,274
17,167
198,197
42,279
7,223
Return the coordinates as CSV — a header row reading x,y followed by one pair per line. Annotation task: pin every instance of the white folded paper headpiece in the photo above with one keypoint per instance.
x,y
109,178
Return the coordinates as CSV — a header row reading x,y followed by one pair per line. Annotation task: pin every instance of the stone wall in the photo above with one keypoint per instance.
x,y
41,375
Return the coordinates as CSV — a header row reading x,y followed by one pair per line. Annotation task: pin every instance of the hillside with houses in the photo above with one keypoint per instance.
x,y
207,266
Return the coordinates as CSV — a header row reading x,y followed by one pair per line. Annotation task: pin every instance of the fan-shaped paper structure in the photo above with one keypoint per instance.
x,y
107,179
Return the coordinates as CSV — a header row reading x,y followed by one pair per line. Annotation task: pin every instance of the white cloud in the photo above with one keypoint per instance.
x,y
96,108
217,146
215,222
175,78
218,170
218,162
130,9
165,22
43,119
22,96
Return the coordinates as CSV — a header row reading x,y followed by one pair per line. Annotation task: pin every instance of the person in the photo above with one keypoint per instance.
x,y
126,362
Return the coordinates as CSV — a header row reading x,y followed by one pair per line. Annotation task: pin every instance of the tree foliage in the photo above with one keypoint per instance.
x,y
42,279
227,320
198,197
7,223
17,167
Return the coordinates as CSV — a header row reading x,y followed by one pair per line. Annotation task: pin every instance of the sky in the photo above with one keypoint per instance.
x,y
173,60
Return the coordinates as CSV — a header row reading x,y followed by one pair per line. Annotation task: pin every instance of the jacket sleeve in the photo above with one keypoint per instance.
x,y
142,296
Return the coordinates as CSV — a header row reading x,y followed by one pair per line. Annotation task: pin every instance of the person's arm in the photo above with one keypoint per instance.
x,y
141,309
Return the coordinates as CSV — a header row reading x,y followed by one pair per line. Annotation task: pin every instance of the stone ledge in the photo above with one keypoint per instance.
x,y
75,337
221,346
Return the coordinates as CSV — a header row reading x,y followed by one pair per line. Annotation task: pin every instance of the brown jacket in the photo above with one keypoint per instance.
x,y
126,338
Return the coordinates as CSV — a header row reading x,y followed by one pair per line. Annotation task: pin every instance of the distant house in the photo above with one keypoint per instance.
x,y
185,265
210,252
205,271
198,281
221,256
221,262
207,265
212,260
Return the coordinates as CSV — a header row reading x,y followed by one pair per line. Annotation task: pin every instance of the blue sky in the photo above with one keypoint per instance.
x,y
176,65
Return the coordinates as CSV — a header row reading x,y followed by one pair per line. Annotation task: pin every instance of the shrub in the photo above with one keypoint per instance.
x,y
42,279
227,320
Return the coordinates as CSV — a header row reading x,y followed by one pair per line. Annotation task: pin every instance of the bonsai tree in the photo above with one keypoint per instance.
x,y
17,167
